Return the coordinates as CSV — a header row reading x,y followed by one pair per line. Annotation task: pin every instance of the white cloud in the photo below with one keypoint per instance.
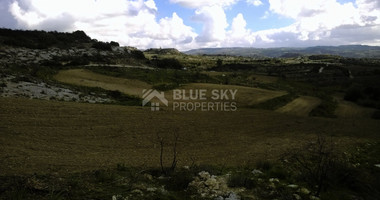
x,y
135,23
130,22
214,23
239,35
254,2
202,3
320,22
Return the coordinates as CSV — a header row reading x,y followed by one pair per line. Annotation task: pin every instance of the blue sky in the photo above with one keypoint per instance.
x,y
189,24
253,14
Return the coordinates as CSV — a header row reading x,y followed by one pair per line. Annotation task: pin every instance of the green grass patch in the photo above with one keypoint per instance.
x,y
275,103
326,108
163,78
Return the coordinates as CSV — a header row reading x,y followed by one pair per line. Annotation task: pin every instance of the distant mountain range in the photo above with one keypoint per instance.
x,y
351,51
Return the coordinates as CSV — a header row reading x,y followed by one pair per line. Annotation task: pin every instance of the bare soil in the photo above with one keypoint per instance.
x,y
65,137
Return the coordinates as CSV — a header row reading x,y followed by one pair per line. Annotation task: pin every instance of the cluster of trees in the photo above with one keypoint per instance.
x,y
367,96
104,46
169,63
42,39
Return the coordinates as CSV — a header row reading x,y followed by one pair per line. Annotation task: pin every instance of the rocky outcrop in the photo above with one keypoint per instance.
x,y
25,56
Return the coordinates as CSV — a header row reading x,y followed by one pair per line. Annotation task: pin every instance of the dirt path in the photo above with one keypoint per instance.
x,y
87,78
300,106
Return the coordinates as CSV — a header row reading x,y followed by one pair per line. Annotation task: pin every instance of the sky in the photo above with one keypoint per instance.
x,y
191,24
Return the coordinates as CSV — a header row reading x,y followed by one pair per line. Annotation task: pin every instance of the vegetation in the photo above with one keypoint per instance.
x,y
368,96
318,163
275,103
67,150
42,39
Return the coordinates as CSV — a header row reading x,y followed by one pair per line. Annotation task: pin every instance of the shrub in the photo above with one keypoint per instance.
x,y
179,181
242,179
138,54
104,46
318,164
165,86
376,115
353,94
169,63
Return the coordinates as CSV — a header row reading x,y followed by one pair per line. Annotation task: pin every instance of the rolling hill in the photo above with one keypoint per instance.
x,y
352,51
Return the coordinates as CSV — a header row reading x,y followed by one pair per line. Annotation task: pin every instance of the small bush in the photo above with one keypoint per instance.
x,y
275,103
353,94
376,115
242,179
325,109
264,165
104,176
179,181
138,54
104,46
165,86
318,164
169,63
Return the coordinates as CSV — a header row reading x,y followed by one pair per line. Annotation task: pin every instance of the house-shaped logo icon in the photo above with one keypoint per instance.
x,y
149,95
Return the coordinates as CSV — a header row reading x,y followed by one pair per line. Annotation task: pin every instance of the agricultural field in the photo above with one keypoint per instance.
x,y
74,127
301,106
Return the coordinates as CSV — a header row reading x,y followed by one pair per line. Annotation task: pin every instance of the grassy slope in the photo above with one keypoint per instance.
x,y
90,79
245,95
300,106
47,136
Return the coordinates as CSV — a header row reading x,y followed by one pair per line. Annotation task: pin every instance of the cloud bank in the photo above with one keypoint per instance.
x,y
135,22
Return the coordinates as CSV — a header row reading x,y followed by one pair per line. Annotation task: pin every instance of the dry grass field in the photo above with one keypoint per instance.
x,y
51,136
87,78
301,106
245,95
347,109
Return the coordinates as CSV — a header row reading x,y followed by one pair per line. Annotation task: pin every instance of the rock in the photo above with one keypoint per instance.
x,y
274,180
257,172
119,197
314,198
377,165
297,197
137,192
304,191
233,196
212,183
208,186
186,167
204,175
292,186
148,177
151,189
140,186
272,185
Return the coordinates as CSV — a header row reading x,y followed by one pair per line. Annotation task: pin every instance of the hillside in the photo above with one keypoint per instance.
x,y
349,51
75,122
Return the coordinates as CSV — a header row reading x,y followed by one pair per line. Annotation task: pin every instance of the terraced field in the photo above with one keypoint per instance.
x,y
245,95
85,77
348,109
300,106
